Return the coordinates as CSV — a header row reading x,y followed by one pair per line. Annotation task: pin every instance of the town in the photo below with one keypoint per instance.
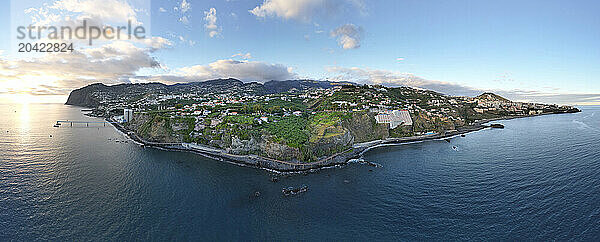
x,y
301,120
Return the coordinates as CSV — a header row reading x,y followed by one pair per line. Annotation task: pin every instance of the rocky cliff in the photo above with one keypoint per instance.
x,y
330,139
84,96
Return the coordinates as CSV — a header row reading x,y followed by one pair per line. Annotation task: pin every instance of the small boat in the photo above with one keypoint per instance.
x,y
454,148
462,135
293,191
497,126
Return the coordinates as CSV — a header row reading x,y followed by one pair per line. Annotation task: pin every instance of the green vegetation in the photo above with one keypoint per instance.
x,y
331,120
239,119
242,126
145,128
327,124
291,129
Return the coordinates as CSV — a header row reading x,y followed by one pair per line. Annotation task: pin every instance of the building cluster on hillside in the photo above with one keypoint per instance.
x,y
397,107
499,105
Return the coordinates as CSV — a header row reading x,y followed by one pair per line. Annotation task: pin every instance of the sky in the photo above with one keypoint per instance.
x,y
536,50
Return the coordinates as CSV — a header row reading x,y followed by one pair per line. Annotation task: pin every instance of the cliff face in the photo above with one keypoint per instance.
x,y
363,128
84,96
158,129
335,137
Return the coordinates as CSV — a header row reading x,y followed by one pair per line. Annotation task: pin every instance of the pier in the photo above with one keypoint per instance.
x,y
87,123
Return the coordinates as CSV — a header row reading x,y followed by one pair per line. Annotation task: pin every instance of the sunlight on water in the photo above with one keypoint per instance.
x,y
24,117
537,179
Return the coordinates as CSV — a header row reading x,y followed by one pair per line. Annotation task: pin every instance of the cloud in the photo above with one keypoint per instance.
x,y
210,17
348,36
242,55
184,6
186,41
391,78
156,43
180,38
73,13
99,10
42,16
58,73
111,61
184,19
306,10
505,78
545,97
242,70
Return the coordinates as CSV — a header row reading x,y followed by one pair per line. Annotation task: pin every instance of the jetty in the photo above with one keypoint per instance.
x,y
87,123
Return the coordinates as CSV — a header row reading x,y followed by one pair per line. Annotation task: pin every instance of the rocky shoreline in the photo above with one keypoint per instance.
x,y
244,160
279,166
287,166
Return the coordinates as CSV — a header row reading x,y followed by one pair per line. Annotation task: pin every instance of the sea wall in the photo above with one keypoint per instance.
x,y
340,158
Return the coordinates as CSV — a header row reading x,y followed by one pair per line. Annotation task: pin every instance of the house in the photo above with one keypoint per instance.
x,y
215,122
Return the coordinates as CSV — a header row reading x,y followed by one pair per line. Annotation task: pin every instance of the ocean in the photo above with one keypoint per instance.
x,y
536,179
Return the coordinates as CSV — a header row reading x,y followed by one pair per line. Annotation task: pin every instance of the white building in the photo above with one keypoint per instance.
x,y
395,118
127,115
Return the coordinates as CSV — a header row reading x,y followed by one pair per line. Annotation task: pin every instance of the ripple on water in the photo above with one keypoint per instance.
x,y
537,179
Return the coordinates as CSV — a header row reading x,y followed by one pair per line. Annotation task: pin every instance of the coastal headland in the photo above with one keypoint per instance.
x,y
291,126
338,159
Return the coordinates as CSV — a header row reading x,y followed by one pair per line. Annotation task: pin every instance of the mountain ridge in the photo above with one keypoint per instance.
x,y
84,96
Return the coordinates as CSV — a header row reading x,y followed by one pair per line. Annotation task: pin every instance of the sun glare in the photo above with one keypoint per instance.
x,y
25,98
21,98
24,116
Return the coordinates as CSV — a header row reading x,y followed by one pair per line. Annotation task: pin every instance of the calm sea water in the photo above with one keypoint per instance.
x,y
537,179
